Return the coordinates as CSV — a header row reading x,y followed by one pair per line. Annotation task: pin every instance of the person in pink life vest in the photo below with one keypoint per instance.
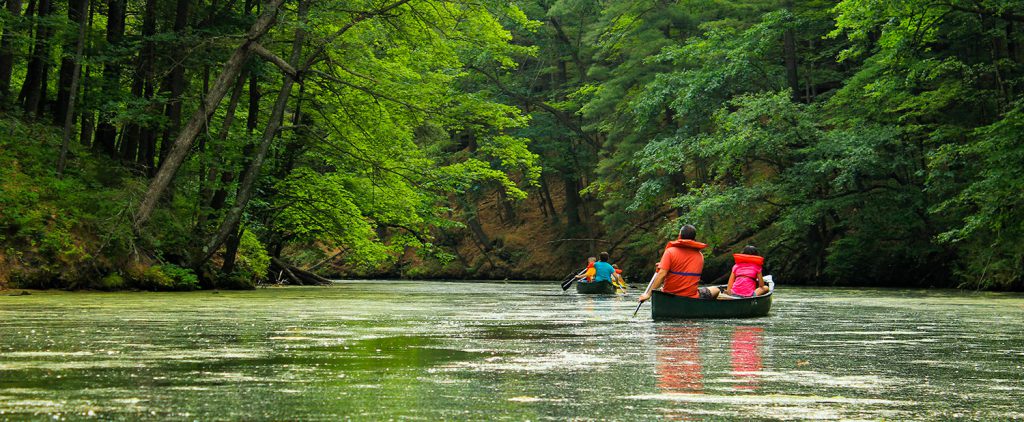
x,y
746,279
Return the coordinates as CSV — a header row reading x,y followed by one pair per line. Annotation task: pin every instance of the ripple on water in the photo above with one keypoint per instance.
x,y
563,361
430,351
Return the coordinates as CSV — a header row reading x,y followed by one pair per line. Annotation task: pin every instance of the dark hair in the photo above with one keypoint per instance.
x,y
750,250
604,256
688,232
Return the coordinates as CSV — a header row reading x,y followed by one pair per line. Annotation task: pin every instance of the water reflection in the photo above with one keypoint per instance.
x,y
746,356
486,351
679,368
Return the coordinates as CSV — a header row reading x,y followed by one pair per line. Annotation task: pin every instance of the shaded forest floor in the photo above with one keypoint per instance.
x,y
74,232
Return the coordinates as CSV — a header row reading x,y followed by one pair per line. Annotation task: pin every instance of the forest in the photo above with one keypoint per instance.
x,y
184,144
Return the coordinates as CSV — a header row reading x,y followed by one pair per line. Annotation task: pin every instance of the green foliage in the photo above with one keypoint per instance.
x,y
253,258
166,277
111,282
859,141
992,203
183,278
892,162
61,226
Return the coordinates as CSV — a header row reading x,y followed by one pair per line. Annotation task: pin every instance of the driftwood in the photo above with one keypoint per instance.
x,y
297,275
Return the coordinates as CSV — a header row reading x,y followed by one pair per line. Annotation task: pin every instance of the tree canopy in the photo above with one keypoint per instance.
x,y
225,142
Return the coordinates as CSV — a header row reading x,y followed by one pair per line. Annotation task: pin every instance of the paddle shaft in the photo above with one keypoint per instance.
x,y
567,283
645,292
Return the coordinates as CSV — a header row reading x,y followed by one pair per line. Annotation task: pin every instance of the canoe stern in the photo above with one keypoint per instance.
x,y
666,306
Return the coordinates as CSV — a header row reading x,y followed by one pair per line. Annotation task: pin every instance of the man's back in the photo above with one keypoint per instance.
x,y
603,271
683,260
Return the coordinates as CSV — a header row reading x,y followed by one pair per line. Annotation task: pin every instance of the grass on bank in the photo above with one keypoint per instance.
x,y
75,232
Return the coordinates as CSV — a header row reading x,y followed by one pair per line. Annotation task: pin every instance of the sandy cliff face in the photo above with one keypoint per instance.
x,y
520,241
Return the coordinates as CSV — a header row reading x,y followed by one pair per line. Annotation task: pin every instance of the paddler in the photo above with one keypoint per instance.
x,y
588,274
603,271
680,268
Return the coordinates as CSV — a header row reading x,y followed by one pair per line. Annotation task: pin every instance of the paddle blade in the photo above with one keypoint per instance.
x,y
567,281
648,289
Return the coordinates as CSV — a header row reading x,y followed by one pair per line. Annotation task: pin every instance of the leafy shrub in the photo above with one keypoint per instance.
x,y
252,257
165,277
112,281
33,278
238,280
181,278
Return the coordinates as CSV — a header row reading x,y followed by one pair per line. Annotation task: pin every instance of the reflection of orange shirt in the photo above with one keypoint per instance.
x,y
746,356
679,368
683,260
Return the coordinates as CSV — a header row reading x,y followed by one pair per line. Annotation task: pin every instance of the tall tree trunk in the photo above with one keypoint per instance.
x,y
207,195
545,194
572,202
175,82
88,123
789,51
133,147
77,12
33,90
106,133
248,183
252,121
478,233
69,111
506,210
293,148
7,52
147,139
188,134
1012,47
231,249
220,197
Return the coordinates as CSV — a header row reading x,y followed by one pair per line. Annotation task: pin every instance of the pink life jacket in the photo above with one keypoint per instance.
x,y
745,270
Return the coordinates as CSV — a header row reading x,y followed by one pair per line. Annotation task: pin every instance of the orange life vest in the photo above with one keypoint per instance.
x,y
748,259
684,262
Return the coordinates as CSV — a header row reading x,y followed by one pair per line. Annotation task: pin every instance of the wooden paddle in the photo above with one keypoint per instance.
x,y
567,282
645,292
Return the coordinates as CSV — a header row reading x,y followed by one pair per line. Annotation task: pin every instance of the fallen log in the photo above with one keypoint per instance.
x,y
298,275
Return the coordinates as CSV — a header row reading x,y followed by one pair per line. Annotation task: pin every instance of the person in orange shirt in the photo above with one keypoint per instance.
x,y
588,274
680,268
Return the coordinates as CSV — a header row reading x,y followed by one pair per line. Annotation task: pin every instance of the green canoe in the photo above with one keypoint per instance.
x,y
666,306
595,288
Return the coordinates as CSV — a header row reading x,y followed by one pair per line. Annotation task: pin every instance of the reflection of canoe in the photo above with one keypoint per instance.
x,y
595,288
664,305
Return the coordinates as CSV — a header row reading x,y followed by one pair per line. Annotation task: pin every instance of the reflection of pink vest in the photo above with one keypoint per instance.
x,y
746,278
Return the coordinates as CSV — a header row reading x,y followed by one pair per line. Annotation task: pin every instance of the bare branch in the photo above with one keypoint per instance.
x,y
269,56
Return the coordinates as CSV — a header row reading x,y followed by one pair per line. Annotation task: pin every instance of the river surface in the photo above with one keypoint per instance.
x,y
491,351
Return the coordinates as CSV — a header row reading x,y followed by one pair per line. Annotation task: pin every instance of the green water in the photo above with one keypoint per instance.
x,y
429,351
